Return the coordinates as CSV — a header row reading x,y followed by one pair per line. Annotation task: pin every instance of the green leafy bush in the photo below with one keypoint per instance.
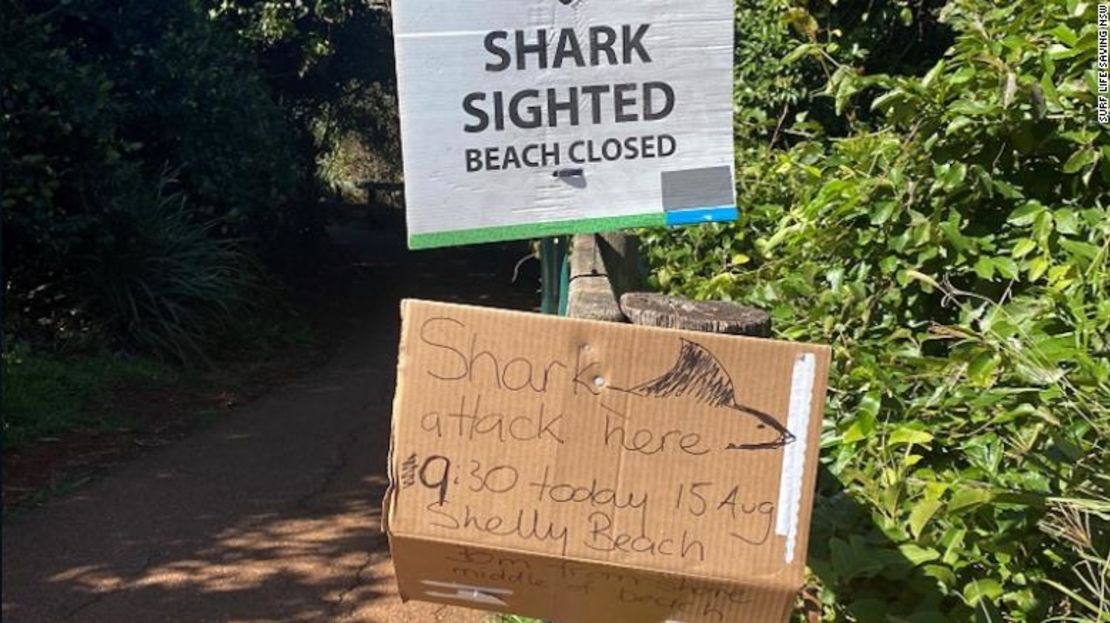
x,y
189,95
100,99
59,153
166,282
331,63
952,245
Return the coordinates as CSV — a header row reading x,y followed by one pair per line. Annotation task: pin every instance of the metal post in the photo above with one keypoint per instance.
x,y
554,275
564,276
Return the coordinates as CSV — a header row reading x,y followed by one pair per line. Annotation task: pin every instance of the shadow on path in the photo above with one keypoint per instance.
x,y
274,513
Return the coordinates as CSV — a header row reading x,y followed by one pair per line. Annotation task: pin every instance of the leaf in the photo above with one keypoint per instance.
x,y
1060,275
1079,160
1082,249
954,544
888,100
985,588
952,233
968,498
933,74
922,512
844,92
950,175
984,267
1023,247
1026,214
906,15
941,574
1059,52
1006,267
803,22
918,555
860,429
1066,35
923,278
958,124
882,212
803,50
1050,93
905,436
870,403
981,370
1067,221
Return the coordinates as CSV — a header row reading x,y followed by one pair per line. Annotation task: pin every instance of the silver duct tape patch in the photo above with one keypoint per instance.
x,y
698,188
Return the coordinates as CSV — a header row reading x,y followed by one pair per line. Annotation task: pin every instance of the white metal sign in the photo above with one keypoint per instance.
x,y
527,118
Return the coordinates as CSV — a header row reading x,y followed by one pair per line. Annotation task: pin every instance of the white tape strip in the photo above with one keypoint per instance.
x,y
794,455
472,594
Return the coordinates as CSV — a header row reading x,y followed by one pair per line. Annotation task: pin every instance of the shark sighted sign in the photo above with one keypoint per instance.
x,y
530,118
597,473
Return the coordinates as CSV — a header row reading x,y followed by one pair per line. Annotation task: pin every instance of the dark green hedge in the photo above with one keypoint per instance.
x,y
134,130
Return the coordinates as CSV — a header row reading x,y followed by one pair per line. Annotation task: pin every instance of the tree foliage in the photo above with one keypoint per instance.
x,y
947,230
112,111
331,64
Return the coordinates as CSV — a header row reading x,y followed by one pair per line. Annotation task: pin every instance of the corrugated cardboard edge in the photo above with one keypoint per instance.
x,y
391,488
756,582
794,578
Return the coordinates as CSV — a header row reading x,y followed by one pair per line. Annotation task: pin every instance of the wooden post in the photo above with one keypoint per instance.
x,y
603,267
604,279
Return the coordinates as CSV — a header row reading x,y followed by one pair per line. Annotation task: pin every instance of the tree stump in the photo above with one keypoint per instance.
x,y
672,312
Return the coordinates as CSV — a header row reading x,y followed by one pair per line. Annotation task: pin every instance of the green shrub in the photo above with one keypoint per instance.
x,y
952,246
190,96
166,282
100,99
331,63
60,156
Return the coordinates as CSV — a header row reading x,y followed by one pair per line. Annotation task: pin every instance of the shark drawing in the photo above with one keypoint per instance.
x,y
700,376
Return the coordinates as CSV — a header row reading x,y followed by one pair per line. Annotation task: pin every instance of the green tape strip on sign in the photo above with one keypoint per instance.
x,y
535,230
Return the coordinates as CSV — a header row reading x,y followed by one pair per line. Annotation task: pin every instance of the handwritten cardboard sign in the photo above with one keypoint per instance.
x,y
583,471
529,118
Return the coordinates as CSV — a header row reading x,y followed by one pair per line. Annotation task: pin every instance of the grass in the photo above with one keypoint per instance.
x,y
45,395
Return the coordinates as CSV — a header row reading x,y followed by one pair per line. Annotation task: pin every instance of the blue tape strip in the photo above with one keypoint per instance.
x,y
719,214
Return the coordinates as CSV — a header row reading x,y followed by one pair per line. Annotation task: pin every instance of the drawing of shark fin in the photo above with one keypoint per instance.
x,y
698,374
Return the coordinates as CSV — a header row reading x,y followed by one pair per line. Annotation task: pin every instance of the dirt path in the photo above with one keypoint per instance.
x,y
273,514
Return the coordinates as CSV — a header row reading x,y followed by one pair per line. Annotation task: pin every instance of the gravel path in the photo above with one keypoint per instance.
x,y
274,513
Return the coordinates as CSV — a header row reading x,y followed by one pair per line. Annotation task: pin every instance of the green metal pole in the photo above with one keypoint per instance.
x,y
549,285
554,275
564,276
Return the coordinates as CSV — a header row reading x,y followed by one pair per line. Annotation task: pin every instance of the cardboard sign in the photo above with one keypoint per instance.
x,y
529,118
592,472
